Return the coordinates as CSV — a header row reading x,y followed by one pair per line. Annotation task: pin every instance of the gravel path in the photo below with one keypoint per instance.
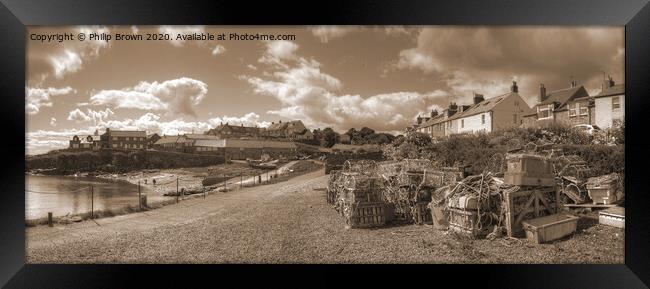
x,y
290,222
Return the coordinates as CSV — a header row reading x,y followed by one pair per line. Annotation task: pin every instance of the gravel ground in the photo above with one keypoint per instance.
x,y
290,222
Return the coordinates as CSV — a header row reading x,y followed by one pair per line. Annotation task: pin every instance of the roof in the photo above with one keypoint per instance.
x,y
236,128
127,133
200,136
209,143
483,106
617,89
434,120
167,139
283,125
562,96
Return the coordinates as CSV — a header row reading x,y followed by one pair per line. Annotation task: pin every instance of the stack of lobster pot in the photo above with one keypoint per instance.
x,y
361,200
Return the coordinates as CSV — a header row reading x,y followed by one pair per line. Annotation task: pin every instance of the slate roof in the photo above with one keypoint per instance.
x,y
563,96
617,89
167,139
483,106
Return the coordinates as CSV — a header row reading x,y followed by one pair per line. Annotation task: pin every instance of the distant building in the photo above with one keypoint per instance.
x,y
610,104
484,115
570,106
167,143
123,139
225,131
84,143
291,130
152,139
186,143
241,149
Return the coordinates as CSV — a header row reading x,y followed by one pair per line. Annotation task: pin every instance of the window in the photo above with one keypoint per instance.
x,y
544,111
483,119
616,102
584,110
573,109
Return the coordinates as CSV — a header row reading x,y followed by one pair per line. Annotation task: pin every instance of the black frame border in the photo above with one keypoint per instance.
x,y
15,15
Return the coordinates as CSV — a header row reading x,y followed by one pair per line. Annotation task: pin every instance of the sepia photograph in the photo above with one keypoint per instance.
x,y
364,144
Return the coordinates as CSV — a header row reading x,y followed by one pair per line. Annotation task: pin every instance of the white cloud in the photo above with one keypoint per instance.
x,y
413,59
72,56
53,121
308,94
90,115
219,49
251,67
327,33
178,96
39,97
278,51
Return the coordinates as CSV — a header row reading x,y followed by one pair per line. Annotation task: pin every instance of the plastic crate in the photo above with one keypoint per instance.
x,y
549,228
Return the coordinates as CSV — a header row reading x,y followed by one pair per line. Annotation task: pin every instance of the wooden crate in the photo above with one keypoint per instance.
x,y
528,170
614,217
529,203
465,222
549,228
368,215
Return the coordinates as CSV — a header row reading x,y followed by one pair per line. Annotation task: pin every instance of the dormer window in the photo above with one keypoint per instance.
x,y
544,111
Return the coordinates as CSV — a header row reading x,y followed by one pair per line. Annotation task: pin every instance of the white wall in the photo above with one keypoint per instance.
x,y
474,123
604,113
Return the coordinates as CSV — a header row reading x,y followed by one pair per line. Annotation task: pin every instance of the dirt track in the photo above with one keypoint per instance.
x,y
290,222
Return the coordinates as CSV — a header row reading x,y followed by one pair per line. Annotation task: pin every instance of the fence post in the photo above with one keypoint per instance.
x,y
225,184
139,196
177,192
49,219
92,202
241,179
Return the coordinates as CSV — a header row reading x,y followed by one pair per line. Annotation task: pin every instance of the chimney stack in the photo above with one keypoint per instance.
x,y
478,98
610,82
574,83
514,87
419,119
434,113
542,93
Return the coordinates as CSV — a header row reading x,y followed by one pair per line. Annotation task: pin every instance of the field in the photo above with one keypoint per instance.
x,y
290,222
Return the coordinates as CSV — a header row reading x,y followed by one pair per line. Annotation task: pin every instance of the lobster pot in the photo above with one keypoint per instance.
x,y
452,175
424,194
362,196
406,179
357,181
433,179
528,170
421,213
603,189
368,215
465,222
417,165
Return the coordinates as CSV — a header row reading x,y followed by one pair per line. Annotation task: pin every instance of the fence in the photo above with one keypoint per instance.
x,y
182,191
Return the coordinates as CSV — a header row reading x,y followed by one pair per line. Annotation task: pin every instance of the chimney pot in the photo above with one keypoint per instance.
x,y
478,98
514,87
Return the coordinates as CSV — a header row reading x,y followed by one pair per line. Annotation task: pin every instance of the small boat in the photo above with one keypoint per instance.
x,y
265,166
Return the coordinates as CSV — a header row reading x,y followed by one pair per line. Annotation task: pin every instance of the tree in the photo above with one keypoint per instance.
x,y
330,137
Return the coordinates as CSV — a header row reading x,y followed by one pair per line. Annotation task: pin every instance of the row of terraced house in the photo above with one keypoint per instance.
x,y
572,106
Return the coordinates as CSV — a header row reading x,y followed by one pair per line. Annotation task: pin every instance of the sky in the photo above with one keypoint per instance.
x,y
341,77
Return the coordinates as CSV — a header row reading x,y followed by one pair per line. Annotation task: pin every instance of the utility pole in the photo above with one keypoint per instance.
x,y
139,197
92,202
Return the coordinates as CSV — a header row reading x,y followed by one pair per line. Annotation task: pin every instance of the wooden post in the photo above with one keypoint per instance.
x,y
177,192
139,196
49,219
241,179
225,184
92,202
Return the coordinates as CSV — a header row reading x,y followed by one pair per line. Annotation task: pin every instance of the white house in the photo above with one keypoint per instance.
x,y
484,115
610,104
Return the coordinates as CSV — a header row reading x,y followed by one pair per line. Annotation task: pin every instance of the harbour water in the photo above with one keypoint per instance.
x,y
64,195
